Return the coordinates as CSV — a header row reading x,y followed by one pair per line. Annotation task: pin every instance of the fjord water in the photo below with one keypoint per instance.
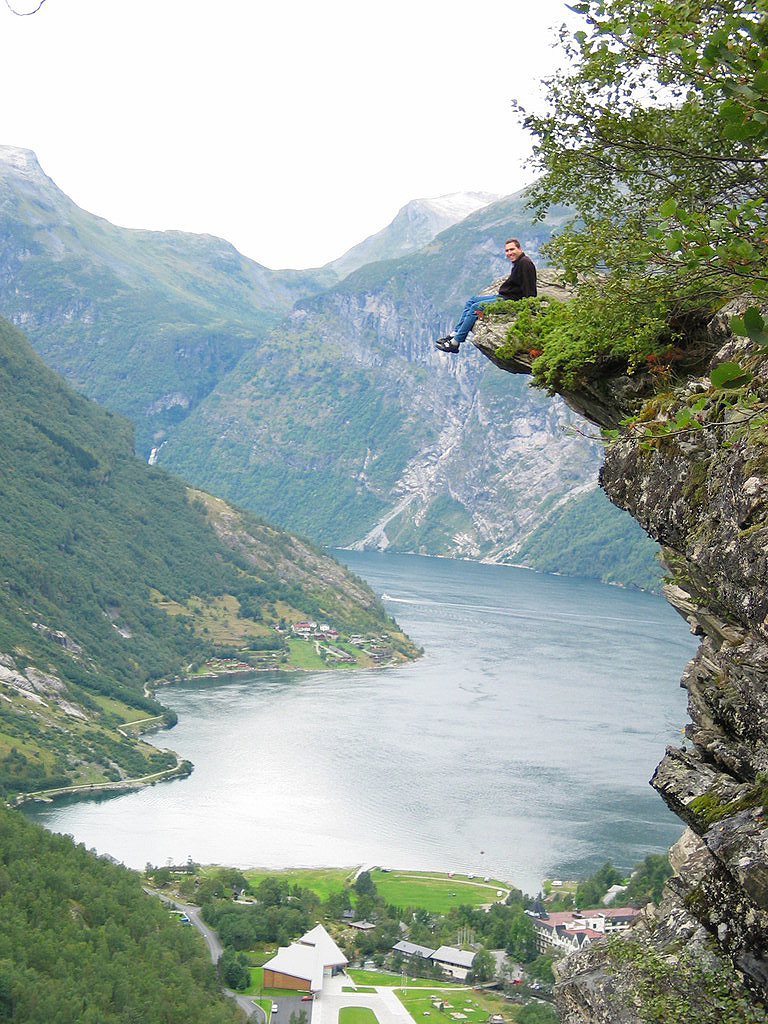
x,y
519,746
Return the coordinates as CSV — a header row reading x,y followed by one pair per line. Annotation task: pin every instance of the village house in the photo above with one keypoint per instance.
x,y
456,962
304,629
304,964
411,949
362,926
569,930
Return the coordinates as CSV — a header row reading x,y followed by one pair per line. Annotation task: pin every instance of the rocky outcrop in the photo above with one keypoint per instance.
x,y
701,490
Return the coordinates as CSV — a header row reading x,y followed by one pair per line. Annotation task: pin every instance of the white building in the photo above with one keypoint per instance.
x,y
456,962
304,964
568,930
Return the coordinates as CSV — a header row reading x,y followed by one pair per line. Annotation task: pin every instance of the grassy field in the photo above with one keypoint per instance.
x,y
357,1015
322,881
565,887
361,977
303,655
476,1006
435,891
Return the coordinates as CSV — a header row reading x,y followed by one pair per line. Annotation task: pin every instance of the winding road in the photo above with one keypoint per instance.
x,y
215,950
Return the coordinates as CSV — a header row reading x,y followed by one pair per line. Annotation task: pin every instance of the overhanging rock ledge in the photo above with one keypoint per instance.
x,y
703,495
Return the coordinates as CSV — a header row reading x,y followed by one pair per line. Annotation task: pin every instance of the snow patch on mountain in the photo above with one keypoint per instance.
x,y
415,225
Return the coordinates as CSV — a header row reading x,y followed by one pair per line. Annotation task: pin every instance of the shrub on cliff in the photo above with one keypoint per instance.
x,y
655,135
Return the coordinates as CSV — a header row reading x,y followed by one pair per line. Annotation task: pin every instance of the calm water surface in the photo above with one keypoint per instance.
x,y
520,745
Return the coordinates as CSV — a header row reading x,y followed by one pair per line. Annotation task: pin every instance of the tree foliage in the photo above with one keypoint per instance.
x,y
80,940
655,135
590,891
112,572
647,880
483,965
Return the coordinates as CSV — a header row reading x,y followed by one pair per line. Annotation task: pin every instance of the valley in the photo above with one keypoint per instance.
x,y
314,398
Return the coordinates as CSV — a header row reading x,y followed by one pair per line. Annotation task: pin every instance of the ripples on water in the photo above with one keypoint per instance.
x,y
520,745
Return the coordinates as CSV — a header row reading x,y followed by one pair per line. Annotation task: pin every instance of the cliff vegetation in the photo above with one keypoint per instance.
x,y
656,136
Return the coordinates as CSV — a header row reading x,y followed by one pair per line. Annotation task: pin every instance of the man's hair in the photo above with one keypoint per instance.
x,y
514,241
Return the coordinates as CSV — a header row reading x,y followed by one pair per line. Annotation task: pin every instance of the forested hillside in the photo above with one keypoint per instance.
x,y
80,941
318,404
145,322
114,576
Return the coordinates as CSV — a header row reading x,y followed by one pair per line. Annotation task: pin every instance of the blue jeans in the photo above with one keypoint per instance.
x,y
468,315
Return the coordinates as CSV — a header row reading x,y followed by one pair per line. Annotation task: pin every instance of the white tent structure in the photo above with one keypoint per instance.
x,y
305,963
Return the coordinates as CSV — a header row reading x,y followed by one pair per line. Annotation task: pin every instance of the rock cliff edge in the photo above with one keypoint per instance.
x,y
701,491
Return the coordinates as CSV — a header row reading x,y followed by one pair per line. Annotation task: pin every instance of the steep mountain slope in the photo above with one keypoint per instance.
x,y
348,425
414,226
338,419
145,322
114,575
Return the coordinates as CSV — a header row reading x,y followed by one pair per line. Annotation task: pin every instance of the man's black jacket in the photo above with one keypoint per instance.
x,y
521,283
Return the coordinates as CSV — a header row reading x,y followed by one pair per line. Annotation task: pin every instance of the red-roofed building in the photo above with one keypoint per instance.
x,y
568,930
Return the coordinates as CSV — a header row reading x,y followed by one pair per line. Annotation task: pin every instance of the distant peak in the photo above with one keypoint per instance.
x,y
457,204
23,160
415,225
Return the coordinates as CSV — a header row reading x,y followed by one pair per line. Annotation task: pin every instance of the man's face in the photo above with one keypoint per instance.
x,y
512,251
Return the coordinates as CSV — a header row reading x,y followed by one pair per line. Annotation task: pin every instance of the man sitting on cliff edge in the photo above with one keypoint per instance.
x,y
520,284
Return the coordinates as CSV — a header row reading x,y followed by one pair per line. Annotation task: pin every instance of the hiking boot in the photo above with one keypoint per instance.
x,y
448,344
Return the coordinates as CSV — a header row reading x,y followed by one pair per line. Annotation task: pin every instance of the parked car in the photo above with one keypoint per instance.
x,y
275,1007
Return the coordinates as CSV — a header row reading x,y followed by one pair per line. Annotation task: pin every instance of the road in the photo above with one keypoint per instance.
x,y
384,1003
215,950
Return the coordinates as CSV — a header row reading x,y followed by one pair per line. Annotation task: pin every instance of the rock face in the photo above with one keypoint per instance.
x,y
701,492
316,402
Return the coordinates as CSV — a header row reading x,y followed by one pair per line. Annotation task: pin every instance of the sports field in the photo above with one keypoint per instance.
x,y
436,891
428,890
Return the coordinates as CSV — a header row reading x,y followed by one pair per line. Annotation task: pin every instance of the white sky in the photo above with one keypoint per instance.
x,y
294,129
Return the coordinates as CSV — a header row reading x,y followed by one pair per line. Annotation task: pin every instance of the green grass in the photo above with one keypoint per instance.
x,y
367,978
435,892
357,1015
303,654
360,988
321,881
476,1005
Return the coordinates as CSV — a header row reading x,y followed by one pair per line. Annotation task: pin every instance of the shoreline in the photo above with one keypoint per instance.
x,y
183,767
181,770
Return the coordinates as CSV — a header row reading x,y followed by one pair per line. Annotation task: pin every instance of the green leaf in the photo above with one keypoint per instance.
x,y
752,326
729,375
732,111
753,320
683,418
669,208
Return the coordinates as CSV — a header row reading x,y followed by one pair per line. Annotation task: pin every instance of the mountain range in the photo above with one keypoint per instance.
x,y
117,576
314,398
